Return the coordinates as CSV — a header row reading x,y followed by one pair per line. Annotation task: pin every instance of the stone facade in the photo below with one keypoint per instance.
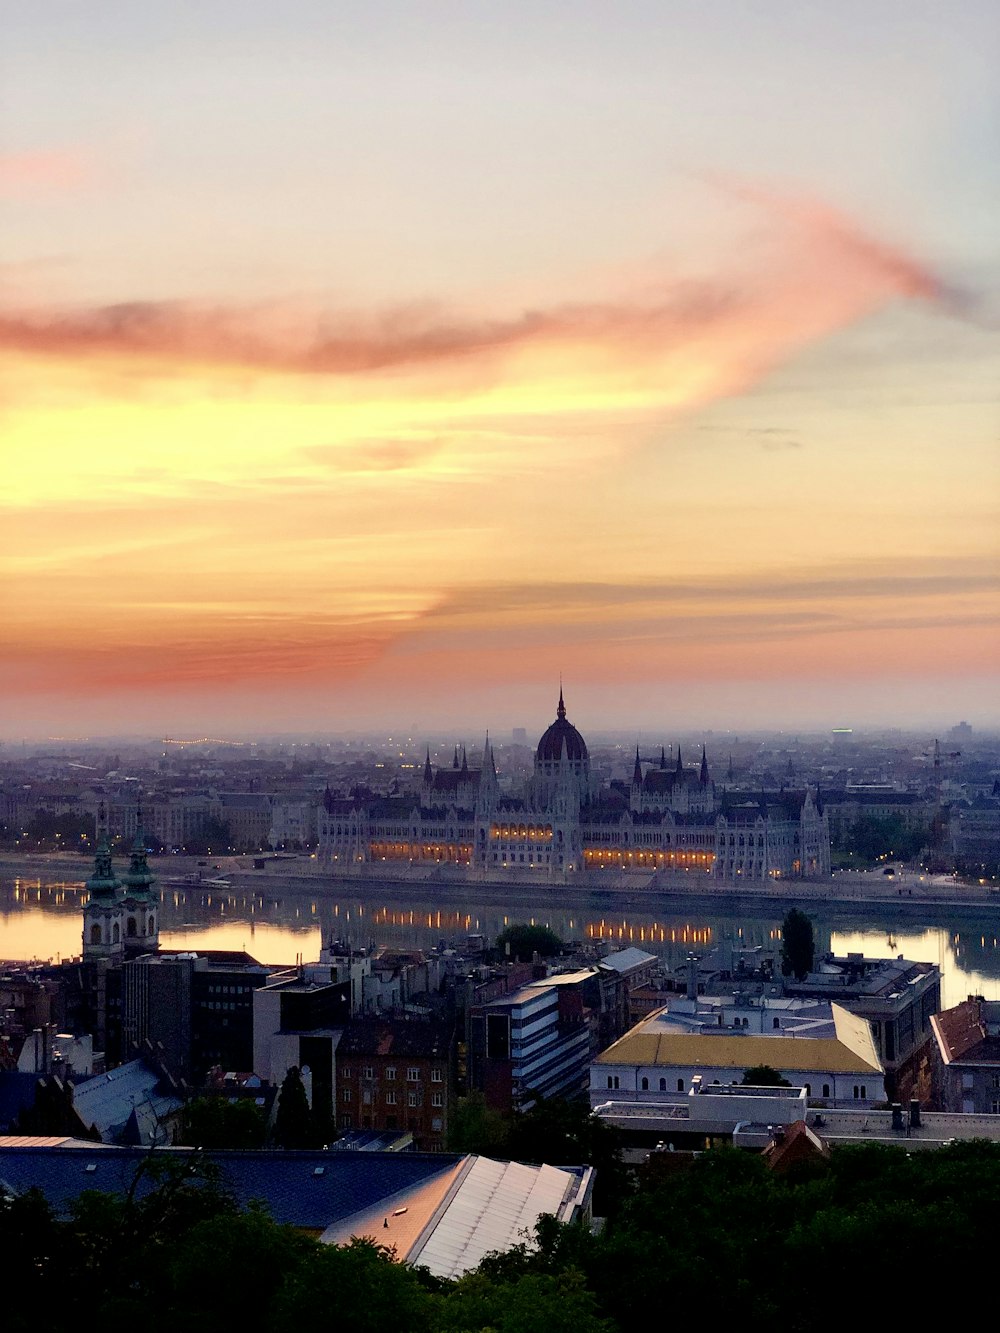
x,y
670,818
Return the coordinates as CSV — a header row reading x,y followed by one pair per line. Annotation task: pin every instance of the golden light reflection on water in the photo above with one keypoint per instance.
x,y
41,919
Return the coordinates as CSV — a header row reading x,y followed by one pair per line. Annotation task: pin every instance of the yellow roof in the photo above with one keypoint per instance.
x,y
852,1051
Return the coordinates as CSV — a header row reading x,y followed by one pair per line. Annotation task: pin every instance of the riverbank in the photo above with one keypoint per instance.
x,y
905,894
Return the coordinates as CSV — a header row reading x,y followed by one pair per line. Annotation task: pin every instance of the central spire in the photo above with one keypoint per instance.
x,y
561,710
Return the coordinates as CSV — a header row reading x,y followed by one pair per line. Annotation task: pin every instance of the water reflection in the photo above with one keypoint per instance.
x,y
41,919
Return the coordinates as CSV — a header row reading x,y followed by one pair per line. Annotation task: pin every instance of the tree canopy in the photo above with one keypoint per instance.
x,y
763,1076
798,947
717,1231
521,941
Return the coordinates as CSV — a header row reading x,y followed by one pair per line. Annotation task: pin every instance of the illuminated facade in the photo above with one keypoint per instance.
x,y
670,818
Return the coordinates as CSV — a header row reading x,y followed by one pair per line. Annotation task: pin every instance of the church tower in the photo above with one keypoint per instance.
x,y
102,914
141,904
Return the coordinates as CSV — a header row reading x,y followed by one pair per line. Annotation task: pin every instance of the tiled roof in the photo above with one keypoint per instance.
x,y
401,1038
311,1190
962,1035
106,1101
851,1051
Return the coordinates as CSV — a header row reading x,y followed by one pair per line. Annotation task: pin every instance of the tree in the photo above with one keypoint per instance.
x,y
211,839
560,1132
521,942
215,1122
478,1127
294,1126
763,1076
798,947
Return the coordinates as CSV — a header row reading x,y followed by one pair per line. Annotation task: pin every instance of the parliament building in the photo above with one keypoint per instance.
x,y
671,817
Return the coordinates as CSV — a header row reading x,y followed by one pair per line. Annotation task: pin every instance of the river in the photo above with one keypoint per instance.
x,y
40,918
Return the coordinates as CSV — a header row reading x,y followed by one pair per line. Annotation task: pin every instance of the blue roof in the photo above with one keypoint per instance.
x,y
107,1101
17,1094
304,1189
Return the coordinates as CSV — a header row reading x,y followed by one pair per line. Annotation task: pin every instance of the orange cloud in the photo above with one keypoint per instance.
x,y
825,272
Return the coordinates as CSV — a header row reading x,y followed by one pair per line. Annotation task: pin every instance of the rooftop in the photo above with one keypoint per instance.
x,y
850,1051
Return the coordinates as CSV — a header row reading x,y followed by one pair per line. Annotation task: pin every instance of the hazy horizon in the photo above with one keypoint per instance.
x,y
371,361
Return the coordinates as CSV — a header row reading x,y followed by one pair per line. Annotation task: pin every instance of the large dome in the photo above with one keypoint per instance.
x,y
560,734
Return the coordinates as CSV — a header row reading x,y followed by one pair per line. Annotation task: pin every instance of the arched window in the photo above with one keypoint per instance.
x,y
130,931
95,934
776,1023
115,933
645,1085
680,1085
826,1089
663,1084
151,926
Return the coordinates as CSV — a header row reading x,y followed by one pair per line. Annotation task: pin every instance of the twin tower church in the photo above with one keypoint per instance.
x,y
122,915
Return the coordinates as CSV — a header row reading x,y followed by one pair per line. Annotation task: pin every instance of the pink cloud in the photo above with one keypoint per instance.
x,y
44,170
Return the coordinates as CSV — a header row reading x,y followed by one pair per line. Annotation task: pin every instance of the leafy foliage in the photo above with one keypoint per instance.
x,y
476,1127
718,1231
763,1076
216,1122
873,837
294,1123
798,947
520,942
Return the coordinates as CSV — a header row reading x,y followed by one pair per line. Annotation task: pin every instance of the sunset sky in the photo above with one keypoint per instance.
x,y
377,363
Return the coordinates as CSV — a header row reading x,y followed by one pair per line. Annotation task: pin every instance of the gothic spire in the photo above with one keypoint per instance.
x,y
637,771
428,772
680,766
704,767
561,709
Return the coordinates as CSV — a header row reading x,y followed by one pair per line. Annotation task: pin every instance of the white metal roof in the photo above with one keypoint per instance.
x,y
495,1205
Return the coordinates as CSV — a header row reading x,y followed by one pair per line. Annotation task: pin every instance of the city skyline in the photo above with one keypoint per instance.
x,y
365,368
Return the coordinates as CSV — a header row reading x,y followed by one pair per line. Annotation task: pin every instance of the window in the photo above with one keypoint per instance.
x,y
776,1023
680,1085
412,1074
857,1092
367,1072
346,1095
390,1073
345,1122
436,1076
437,1099
411,1099
645,1085
610,1082
663,1085
390,1098
826,1089
345,1072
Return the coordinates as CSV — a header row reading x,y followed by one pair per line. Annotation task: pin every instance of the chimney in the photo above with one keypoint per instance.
x,y
914,1113
692,976
897,1116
